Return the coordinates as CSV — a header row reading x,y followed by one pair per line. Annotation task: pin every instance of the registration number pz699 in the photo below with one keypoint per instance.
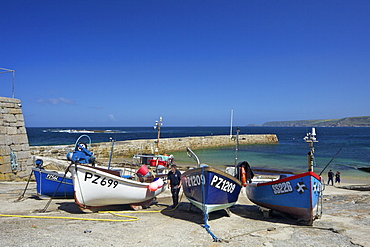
x,y
100,180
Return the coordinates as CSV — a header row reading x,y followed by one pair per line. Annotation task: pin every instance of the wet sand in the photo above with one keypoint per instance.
x,y
345,222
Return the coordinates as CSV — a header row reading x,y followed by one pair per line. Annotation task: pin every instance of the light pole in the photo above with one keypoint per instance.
x,y
157,126
2,70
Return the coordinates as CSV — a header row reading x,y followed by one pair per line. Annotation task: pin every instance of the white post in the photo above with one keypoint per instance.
x,y
231,123
6,71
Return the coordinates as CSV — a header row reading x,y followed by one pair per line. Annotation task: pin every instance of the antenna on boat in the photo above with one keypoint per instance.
x,y
157,126
231,123
237,145
111,152
310,138
330,161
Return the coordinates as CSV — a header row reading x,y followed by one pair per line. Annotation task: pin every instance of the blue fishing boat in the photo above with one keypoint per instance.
x,y
209,189
58,184
296,195
53,184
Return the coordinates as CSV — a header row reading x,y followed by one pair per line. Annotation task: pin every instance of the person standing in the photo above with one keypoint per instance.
x,y
330,177
337,177
174,181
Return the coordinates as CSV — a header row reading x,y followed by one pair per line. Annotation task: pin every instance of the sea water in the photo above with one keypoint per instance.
x,y
289,154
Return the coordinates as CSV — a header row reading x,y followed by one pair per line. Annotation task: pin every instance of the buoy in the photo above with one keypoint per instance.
x,y
244,176
153,186
159,182
143,170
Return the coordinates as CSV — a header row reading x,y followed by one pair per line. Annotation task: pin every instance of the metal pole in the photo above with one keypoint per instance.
x,y
310,138
231,123
236,146
158,127
13,84
111,152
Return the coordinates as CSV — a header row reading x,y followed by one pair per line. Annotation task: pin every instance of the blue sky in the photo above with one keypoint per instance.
x,y
125,63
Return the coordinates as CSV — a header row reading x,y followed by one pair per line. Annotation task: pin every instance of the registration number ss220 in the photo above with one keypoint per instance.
x,y
103,181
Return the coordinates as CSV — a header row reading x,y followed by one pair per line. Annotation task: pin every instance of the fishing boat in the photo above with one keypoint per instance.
x,y
297,195
96,186
209,189
160,162
53,184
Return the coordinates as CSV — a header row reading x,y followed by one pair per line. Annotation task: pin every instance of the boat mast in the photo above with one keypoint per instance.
x,y
111,152
157,126
231,123
310,138
236,145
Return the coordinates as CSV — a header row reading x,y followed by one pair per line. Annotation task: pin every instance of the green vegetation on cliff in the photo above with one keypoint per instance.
x,y
343,122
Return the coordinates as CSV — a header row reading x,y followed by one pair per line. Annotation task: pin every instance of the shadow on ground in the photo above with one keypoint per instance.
x,y
252,212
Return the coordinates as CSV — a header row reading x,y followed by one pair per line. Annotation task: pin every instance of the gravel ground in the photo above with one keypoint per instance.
x,y
345,222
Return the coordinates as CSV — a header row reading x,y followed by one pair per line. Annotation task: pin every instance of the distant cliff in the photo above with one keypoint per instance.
x,y
343,122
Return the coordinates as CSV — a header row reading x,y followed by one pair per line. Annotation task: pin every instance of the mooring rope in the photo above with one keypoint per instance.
x,y
52,197
204,209
115,213
133,218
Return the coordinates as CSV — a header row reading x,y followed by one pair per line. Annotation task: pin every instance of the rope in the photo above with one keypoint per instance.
x,y
52,197
133,218
204,209
115,213
24,191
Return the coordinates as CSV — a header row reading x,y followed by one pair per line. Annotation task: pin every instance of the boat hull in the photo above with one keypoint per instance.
x,y
296,195
98,187
210,189
53,184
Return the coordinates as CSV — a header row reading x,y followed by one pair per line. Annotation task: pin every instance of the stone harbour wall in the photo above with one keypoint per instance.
x,y
13,138
126,149
16,156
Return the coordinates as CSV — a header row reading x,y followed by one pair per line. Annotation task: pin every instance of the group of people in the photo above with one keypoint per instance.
x,y
331,177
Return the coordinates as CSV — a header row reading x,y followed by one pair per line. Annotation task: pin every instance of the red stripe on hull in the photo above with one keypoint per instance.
x,y
291,178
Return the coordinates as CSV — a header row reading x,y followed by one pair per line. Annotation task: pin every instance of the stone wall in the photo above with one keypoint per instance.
x,y
126,149
13,138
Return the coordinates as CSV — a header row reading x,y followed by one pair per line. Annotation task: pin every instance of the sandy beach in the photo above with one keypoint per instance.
x,y
345,222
